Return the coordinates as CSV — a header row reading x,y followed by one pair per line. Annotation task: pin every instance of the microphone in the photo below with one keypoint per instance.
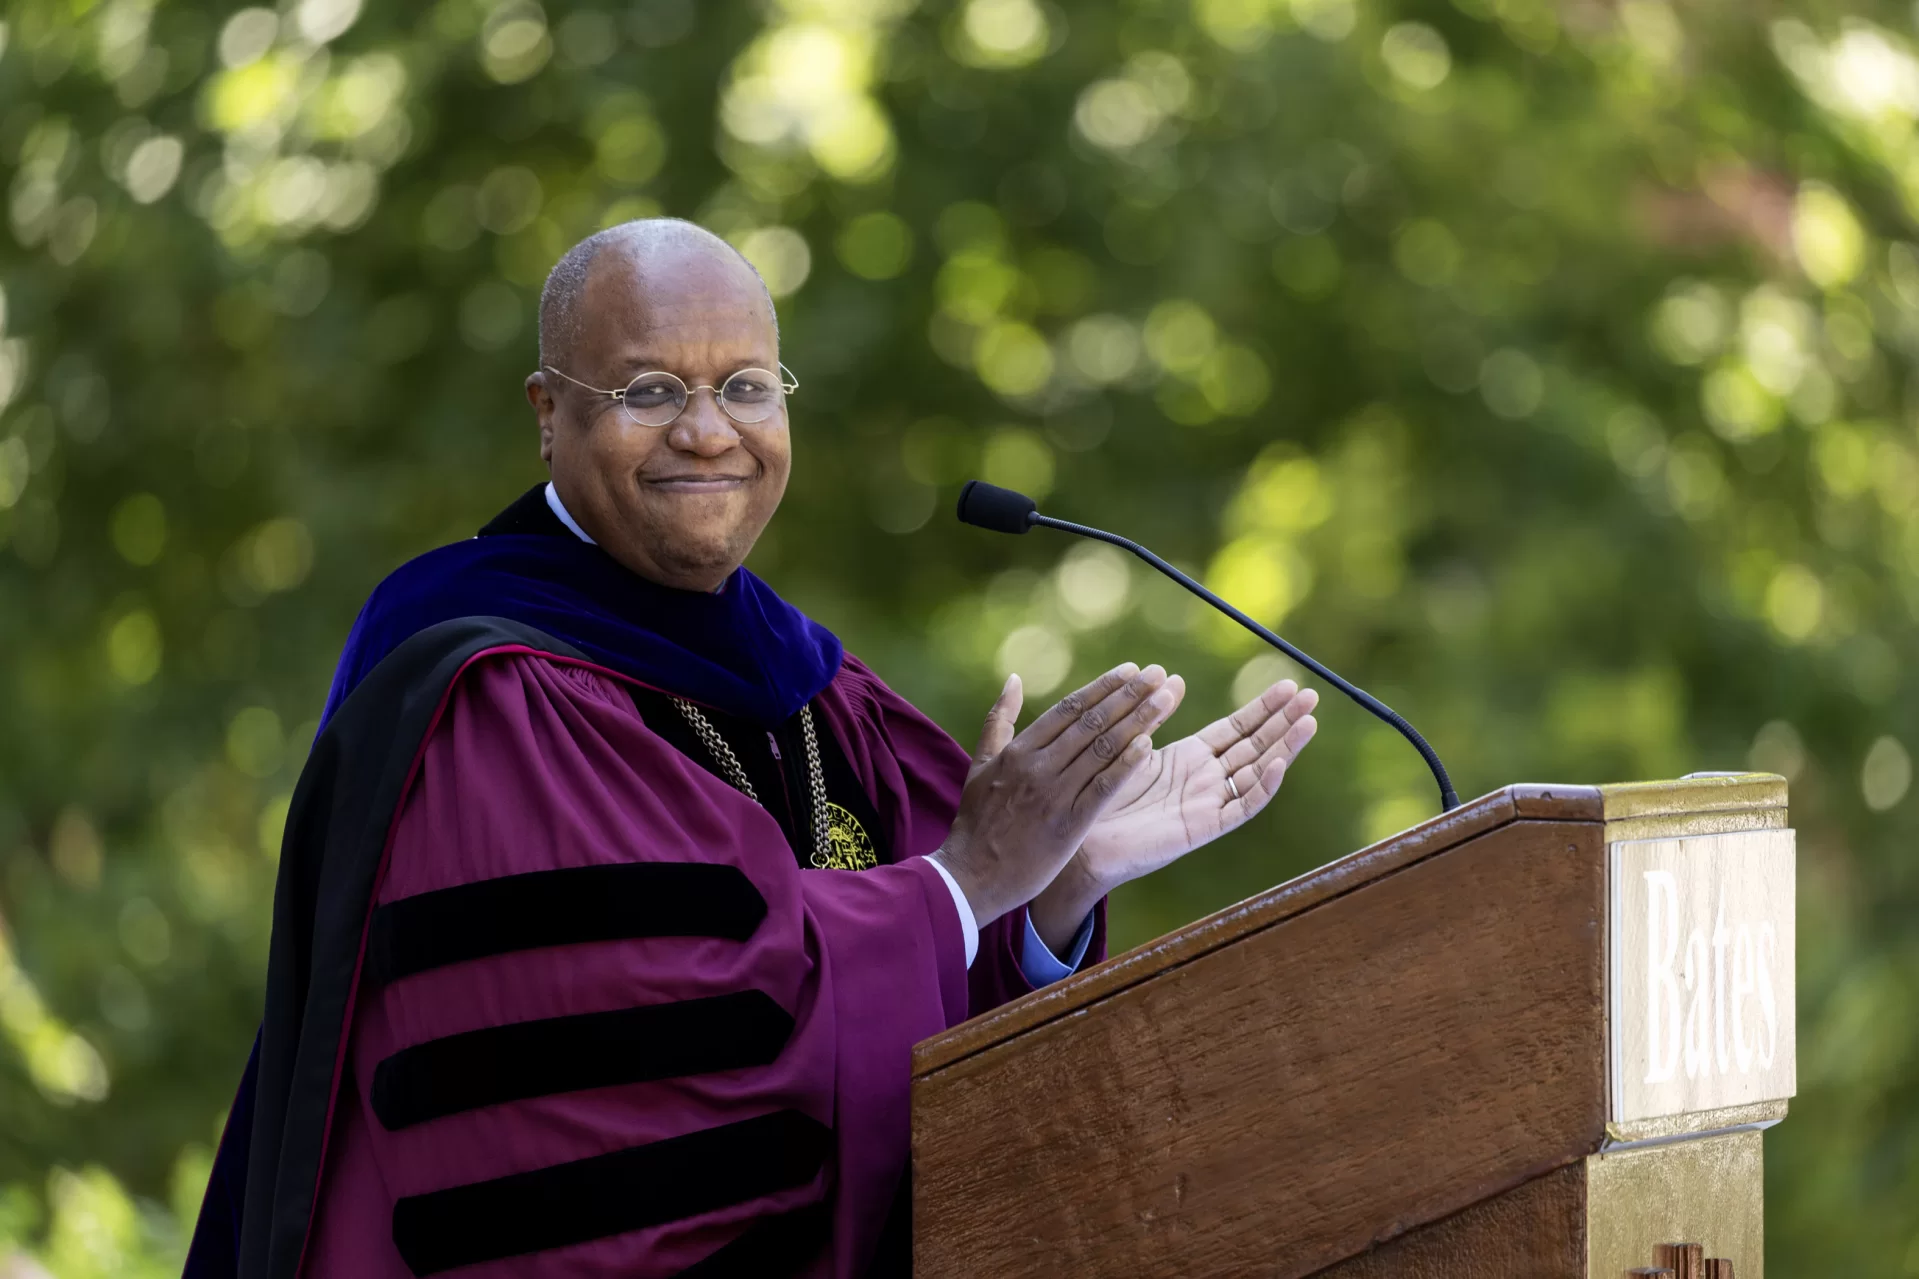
x,y
1003,511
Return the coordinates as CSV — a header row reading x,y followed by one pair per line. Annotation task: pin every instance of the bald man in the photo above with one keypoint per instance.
x,y
615,893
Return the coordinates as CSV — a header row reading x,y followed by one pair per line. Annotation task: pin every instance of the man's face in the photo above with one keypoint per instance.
x,y
680,504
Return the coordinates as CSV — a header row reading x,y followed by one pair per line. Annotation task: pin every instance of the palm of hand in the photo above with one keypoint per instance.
x,y
1181,799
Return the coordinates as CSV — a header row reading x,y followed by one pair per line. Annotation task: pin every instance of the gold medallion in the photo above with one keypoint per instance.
x,y
851,846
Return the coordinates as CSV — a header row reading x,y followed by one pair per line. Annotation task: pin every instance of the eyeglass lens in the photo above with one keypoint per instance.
x,y
655,399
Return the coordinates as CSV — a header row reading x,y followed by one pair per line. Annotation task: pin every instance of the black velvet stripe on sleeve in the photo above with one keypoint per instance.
x,y
343,807
608,1194
559,908
771,1248
566,1054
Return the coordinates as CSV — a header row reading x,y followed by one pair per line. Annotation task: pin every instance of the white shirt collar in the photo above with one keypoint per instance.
x,y
559,508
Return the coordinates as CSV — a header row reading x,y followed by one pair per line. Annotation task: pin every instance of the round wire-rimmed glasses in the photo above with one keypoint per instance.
x,y
749,396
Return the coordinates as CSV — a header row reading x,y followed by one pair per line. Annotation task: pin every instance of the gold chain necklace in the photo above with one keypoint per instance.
x,y
839,843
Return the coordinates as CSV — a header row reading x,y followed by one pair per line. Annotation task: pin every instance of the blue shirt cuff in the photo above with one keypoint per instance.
x,y
1038,963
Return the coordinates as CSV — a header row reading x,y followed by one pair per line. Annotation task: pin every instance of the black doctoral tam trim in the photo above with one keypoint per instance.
x,y
559,908
772,1247
567,1054
608,1194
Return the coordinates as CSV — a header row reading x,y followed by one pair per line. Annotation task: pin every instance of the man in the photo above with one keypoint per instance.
x,y
614,894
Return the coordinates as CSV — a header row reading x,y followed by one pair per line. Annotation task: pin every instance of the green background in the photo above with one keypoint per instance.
x,y
1546,365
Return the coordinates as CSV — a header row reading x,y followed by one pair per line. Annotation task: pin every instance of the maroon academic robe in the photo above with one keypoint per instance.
x,y
536,1086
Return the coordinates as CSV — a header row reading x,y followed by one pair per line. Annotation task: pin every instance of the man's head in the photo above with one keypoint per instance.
x,y
680,504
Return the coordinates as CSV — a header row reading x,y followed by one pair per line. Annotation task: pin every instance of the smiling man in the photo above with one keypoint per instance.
x,y
614,893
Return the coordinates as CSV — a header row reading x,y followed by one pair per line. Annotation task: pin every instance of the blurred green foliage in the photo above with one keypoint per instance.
x,y
1548,365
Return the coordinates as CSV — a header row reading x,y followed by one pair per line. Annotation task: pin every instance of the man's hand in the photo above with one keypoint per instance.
x,y
1030,799
1180,800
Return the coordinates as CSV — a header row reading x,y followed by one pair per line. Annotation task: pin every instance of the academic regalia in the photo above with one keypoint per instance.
x,y
547,994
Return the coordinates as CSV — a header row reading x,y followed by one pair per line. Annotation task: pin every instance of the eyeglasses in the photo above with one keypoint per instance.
x,y
656,399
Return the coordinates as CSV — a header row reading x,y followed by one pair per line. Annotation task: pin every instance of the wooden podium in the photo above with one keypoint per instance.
x,y
1538,1036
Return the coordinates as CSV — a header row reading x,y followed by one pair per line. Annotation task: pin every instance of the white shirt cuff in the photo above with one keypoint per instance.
x,y
969,926
1038,963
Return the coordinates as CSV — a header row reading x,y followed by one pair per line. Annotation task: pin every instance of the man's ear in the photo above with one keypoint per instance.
x,y
544,409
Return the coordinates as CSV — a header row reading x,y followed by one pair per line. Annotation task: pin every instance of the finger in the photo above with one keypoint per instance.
x,y
998,730
1066,710
1260,780
1131,734
1104,728
1256,743
1261,739
1100,788
1219,735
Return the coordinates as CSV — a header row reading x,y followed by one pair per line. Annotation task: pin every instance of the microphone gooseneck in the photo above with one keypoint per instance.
x,y
1004,511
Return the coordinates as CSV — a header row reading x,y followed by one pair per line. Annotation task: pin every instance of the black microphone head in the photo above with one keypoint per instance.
x,y
990,506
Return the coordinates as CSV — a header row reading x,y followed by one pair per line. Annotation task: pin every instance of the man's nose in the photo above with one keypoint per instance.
x,y
703,427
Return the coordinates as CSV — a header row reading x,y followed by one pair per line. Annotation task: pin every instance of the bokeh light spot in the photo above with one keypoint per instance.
x,y
1308,266
273,824
514,43
1104,348
247,35
75,849
509,199
1018,459
451,219
1417,55
1827,236
1260,672
1263,576
1795,602
1426,252
1180,335
153,167
1737,406
630,150
1039,655
1328,20
1886,775
323,20
1094,583
1239,25
145,932
975,286
255,742
1691,322
15,467
1282,493
1002,33
139,529
781,256
1117,114
1234,380
277,555
133,647
491,314
1511,383
875,246
1012,358
1778,748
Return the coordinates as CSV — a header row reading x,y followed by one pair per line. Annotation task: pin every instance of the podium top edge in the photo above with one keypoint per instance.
x,y
1700,793
1592,806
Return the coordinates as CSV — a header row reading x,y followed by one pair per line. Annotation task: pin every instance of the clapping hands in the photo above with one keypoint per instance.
x,y
1187,794
1080,802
